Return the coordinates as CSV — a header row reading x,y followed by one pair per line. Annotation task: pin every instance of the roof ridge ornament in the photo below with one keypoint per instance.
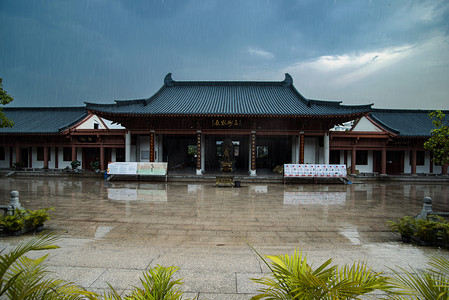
x,y
168,81
288,81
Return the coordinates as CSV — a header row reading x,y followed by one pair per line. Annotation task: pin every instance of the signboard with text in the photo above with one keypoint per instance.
x,y
314,170
137,168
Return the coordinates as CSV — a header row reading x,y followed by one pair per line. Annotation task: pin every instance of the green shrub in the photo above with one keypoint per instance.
x,y
434,230
38,217
406,226
292,277
14,222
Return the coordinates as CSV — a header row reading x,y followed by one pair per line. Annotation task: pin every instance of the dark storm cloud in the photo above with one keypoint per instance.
x,y
67,52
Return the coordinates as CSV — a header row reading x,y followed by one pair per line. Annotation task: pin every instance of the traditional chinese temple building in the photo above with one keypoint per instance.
x,y
269,123
187,124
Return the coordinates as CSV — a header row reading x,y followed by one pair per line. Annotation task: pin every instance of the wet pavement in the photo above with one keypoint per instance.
x,y
112,231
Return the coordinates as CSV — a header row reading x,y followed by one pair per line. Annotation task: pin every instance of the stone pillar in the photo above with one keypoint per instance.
x,y
413,161
46,156
252,171
353,162
426,209
102,167
152,146
198,153
301,147
14,200
128,146
384,162
326,148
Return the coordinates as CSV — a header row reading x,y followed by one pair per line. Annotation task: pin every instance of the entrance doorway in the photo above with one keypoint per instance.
x,y
395,162
90,157
24,157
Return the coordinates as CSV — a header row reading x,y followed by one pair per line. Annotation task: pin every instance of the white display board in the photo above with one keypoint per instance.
x,y
314,170
137,168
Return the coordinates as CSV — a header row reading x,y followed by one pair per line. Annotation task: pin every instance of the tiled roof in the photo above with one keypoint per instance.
x,y
242,98
39,120
403,122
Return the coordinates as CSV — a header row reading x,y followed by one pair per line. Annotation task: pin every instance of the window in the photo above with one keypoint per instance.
x,y
96,125
262,151
191,150
2,153
361,157
420,158
67,154
120,155
40,154
334,157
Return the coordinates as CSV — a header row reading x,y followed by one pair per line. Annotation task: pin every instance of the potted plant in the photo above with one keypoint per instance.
x,y
37,218
17,166
14,223
95,165
406,227
75,164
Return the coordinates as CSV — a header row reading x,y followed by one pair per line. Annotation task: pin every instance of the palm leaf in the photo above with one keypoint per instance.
x,y
41,242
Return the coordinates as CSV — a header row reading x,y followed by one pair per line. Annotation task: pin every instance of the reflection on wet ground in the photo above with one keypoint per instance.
x,y
123,227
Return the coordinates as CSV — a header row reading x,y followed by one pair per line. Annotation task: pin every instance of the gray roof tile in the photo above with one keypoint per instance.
x,y
403,122
228,98
42,120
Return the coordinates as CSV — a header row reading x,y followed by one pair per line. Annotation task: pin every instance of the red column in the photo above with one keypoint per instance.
x,y
45,156
301,148
413,159
152,146
56,158
30,157
353,161
431,163
253,152
73,153
444,168
384,161
198,153
102,157
18,154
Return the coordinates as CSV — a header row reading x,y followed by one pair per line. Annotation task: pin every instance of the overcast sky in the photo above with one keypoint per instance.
x,y
394,54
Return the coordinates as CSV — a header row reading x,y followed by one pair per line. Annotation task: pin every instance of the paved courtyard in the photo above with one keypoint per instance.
x,y
112,231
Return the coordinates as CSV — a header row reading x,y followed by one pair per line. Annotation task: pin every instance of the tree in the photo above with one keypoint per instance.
x,y
439,138
4,99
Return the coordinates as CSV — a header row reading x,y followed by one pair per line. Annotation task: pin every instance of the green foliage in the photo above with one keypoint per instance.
x,y
434,230
25,278
4,99
75,164
406,226
38,217
432,283
14,222
293,278
158,284
439,138
95,165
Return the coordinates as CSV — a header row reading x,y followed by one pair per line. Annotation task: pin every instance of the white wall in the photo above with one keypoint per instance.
x,y
366,168
144,143
5,163
89,124
310,149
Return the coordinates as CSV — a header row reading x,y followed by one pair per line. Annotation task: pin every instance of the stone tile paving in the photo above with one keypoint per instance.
x,y
112,232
